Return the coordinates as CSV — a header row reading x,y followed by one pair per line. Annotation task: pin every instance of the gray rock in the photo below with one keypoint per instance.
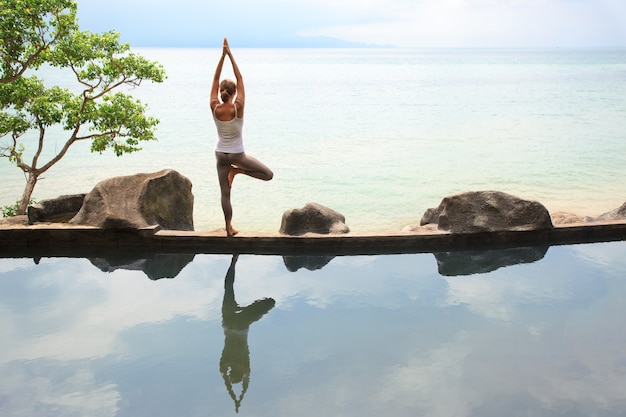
x,y
314,218
617,214
161,199
55,210
487,211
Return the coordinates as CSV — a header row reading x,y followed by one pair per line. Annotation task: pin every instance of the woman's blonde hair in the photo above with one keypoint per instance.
x,y
227,89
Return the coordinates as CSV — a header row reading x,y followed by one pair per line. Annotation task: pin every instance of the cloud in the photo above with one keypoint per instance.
x,y
398,22
108,303
461,23
450,350
57,391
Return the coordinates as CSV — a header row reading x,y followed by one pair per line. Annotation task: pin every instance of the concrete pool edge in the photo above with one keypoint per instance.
x,y
61,240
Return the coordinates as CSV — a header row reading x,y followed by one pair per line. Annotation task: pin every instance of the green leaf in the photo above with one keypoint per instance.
x,y
37,32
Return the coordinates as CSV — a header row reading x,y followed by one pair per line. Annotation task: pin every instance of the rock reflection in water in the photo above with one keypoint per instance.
x,y
483,261
312,263
236,320
164,265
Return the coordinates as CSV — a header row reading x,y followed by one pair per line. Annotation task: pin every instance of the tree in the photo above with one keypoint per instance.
x,y
95,110
28,29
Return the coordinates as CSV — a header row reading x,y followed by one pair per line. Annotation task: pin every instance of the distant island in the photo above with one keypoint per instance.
x,y
262,42
320,42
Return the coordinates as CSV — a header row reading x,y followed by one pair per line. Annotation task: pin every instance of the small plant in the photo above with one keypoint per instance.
x,y
11,209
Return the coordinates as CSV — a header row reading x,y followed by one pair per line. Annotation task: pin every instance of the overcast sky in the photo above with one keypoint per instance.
x,y
403,23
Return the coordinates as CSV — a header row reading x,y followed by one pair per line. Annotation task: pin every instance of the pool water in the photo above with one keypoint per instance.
x,y
523,331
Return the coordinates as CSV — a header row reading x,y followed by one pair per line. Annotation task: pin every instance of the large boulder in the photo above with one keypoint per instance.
x,y
161,198
313,218
487,211
56,210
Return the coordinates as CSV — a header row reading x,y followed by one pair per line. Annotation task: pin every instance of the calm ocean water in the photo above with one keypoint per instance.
x,y
381,135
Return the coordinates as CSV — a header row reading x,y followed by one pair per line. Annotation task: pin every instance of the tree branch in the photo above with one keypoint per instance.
x,y
42,132
17,156
24,65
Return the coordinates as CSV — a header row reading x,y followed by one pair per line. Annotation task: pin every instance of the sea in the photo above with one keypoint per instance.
x,y
379,135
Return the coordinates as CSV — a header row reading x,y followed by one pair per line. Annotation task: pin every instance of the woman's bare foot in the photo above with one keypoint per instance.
x,y
230,230
231,174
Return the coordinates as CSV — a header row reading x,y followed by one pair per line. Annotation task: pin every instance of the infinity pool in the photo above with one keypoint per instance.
x,y
519,332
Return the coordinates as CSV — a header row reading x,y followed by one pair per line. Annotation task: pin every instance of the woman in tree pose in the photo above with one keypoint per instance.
x,y
229,152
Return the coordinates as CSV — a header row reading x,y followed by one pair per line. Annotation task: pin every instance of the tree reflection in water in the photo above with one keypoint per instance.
x,y
236,320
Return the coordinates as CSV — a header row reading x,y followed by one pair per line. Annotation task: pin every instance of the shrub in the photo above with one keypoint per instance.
x,y
11,209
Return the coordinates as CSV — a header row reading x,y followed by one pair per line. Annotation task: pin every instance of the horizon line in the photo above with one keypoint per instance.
x,y
191,46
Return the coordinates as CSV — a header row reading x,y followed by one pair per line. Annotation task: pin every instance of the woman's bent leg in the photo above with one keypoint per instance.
x,y
249,165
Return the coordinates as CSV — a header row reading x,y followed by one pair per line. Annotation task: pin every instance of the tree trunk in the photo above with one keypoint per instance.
x,y
28,192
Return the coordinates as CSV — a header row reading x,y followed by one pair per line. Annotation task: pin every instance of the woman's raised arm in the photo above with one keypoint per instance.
x,y
241,92
215,86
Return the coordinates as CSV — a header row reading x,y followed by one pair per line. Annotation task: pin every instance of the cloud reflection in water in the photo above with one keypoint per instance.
x,y
368,335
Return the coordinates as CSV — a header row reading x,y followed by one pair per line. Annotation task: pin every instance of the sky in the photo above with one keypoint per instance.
x,y
325,23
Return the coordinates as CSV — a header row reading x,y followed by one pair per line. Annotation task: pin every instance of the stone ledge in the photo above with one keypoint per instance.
x,y
78,241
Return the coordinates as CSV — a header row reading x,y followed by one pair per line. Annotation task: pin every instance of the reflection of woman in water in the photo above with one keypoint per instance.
x,y
235,361
229,153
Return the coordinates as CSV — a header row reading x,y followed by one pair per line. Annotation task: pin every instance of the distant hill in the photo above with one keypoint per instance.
x,y
322,42
262,42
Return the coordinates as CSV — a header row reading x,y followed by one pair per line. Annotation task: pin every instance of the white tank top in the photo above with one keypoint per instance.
x,y
229,134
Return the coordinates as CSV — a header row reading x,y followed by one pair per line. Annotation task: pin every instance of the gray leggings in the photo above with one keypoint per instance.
x,y
248,165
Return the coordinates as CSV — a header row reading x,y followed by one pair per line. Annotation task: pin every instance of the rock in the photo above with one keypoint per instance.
x,y
427,229
19,220
617,214
56,210
431,216
313,218
487,211
161,198
561,217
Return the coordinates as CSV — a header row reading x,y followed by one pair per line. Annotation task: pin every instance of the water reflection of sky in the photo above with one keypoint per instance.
x,y
362,336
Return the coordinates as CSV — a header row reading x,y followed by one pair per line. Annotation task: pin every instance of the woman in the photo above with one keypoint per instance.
x,y
229,152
